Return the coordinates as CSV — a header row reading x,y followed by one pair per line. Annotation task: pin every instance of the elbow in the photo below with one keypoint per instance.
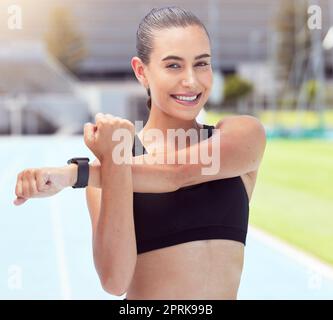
x,y
115,272
115,280
111,286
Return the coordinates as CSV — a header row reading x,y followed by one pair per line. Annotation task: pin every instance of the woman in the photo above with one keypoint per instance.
x,y
167,231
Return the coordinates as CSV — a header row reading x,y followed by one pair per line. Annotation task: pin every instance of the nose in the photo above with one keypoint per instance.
x,y
189,79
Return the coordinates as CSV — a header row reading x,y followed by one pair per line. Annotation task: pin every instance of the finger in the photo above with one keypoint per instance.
x,y
25,188
18,201
41,181
29,177
89,131
110,116
18,188
33,185
99,116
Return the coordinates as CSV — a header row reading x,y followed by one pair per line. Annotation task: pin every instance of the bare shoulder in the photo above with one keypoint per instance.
x,y
244,133
239,120
238,127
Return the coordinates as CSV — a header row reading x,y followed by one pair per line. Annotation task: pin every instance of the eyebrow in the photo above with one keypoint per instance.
x,y
205,55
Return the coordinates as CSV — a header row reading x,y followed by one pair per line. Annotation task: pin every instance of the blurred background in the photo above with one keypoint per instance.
x,y
61,62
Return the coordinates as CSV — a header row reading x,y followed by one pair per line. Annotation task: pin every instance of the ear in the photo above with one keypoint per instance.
x,y
138,68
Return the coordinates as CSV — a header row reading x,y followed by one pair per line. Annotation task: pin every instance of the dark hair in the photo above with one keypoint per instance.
x,y
158,19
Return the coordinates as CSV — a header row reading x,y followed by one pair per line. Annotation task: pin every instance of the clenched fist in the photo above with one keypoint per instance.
x,y
103,137
42,182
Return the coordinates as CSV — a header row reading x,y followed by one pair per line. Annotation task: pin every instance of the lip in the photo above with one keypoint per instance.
x,y
191,94
188,103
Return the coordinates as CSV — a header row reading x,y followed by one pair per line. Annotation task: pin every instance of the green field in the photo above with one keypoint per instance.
x,y
308,119
293,197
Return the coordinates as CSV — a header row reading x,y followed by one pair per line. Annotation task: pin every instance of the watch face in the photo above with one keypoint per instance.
x,y
83,171
75,160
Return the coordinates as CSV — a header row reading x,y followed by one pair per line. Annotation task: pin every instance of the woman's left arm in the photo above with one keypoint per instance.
x,y
236,148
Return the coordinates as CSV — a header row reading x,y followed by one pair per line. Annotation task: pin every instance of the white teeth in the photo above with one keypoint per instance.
x,y
186,98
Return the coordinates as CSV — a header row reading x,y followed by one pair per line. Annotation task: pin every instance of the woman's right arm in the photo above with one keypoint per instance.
x,y
111,213
110,207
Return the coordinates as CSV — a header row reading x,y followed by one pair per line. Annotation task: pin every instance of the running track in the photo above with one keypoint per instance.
x,y
46,250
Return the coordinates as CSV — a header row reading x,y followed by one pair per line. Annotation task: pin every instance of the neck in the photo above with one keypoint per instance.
x,y
162,121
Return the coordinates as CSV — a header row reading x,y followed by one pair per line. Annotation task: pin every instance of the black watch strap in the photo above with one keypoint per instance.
x,y
83,171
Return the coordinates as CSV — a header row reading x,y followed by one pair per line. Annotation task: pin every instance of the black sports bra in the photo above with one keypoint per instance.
x,y
217,209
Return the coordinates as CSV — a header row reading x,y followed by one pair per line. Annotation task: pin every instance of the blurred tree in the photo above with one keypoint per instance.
x,y
311,87
63,41
236,90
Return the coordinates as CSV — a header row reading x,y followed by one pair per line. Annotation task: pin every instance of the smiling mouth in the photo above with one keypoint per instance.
x,y
189,101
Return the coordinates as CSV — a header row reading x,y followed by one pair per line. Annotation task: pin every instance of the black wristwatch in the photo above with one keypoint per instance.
x,y
83,171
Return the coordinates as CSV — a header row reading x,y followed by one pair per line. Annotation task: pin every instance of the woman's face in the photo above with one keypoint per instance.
x,y
190,74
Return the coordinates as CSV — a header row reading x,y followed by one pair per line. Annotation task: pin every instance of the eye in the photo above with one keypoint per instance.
x,y
174,64
203,64
200,64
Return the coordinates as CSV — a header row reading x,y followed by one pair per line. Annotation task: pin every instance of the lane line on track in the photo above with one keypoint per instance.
x,y
301,257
